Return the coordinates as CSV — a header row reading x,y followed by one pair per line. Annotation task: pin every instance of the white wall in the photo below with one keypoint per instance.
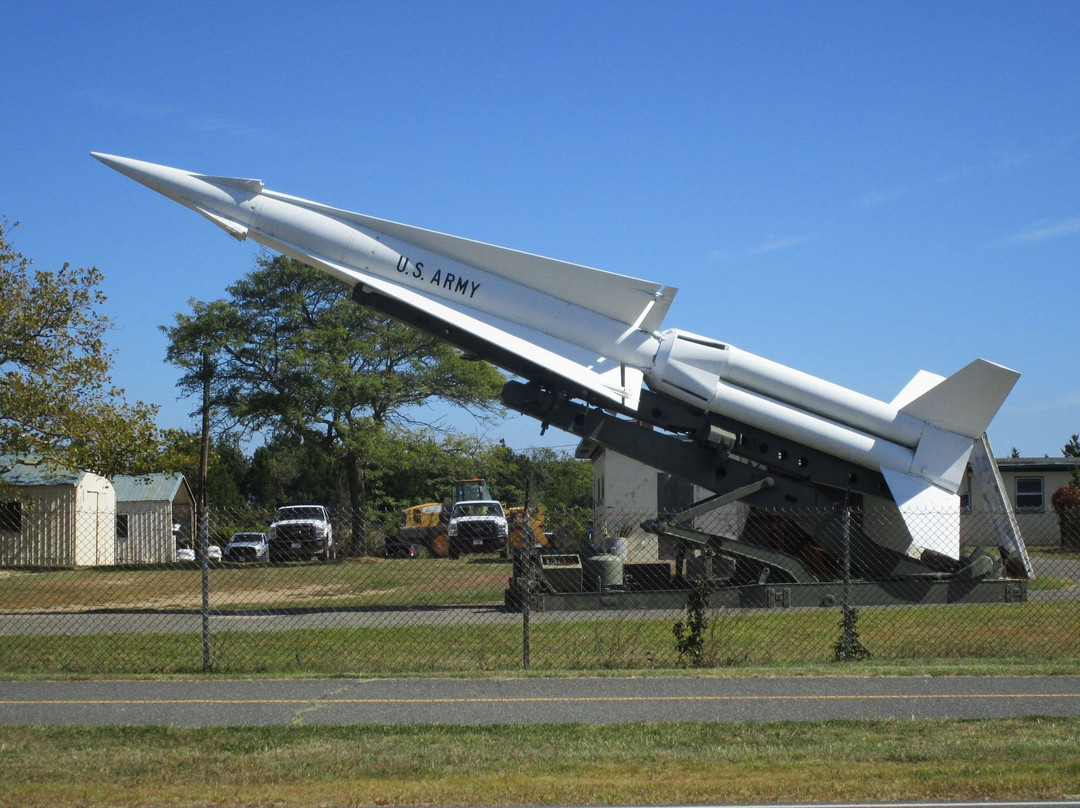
x,y
67,524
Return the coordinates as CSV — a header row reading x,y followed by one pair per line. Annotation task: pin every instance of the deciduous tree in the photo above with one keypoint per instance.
x,y
57,399
291,354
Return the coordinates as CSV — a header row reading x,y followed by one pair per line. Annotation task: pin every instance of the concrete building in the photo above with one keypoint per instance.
x,y
625,492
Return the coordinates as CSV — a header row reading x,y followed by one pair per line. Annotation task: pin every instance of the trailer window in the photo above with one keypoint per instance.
x,y
11,516
1029,493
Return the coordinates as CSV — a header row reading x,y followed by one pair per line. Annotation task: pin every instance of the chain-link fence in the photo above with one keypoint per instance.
x,y
87,592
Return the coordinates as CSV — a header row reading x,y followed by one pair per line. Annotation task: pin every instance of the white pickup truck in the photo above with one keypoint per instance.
x,y
301,532
477,526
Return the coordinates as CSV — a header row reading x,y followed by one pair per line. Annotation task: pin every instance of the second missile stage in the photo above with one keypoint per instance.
x,y
584,325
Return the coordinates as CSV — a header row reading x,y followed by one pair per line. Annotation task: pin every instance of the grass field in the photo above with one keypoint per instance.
x,y
643,764
348,583
353,582
397,593
733,640
437,765
646,764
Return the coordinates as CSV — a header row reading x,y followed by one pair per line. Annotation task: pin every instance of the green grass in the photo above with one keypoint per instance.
x,y
1046,583
647,764
734,639
1041,630
546,765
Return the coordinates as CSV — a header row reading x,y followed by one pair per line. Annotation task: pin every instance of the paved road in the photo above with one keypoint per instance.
x,y
216,702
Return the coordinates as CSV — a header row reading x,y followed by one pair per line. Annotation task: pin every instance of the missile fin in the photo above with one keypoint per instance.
x,y
931,514
250,186
618,383
625,299
965,402
942,457
235,229
612,381
920,383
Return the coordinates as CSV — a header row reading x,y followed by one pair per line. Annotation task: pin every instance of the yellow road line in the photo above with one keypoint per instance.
x,y
537,699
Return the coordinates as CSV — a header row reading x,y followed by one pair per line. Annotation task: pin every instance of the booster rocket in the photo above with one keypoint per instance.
x,y
596,336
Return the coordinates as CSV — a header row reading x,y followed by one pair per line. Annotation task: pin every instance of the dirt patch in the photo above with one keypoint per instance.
x,y
193,600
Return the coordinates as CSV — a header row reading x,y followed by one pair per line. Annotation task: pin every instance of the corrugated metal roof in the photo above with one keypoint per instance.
x,y
31,471
157,487
147,487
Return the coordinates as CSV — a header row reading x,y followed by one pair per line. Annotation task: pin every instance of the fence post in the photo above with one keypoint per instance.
x,y
204,554
207,374
848,623
526,626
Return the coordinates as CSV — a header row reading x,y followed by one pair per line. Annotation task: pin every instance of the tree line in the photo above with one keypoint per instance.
x,y
414,466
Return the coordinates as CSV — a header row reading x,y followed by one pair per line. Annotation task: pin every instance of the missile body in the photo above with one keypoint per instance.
x,y
598,334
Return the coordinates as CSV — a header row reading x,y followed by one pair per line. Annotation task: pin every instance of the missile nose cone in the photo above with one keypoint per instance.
x,y
149,174
219,199
110,160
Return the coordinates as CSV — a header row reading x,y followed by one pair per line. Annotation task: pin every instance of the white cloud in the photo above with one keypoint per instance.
x,y
1065,401
129,106
873,200
1049,230
770,245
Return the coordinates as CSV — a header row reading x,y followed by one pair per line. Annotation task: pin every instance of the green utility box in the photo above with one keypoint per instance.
x,y
561,571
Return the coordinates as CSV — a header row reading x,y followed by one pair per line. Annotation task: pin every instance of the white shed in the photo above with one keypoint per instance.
x,y
51,516
153,513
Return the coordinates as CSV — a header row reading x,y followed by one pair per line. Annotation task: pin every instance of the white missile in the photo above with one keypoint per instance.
x,y
599,333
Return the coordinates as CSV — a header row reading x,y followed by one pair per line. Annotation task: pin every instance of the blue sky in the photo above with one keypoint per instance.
x,y
858,190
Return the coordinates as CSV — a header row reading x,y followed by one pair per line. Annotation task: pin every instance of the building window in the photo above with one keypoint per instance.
x,y
1029,493
121,525
11,516
965,503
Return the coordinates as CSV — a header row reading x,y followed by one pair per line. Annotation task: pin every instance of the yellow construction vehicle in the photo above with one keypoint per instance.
x,y
526,530
426,524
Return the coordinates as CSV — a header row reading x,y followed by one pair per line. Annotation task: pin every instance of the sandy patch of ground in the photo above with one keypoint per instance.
x,y
193,600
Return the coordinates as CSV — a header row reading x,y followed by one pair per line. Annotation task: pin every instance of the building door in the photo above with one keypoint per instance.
x,y
673,494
